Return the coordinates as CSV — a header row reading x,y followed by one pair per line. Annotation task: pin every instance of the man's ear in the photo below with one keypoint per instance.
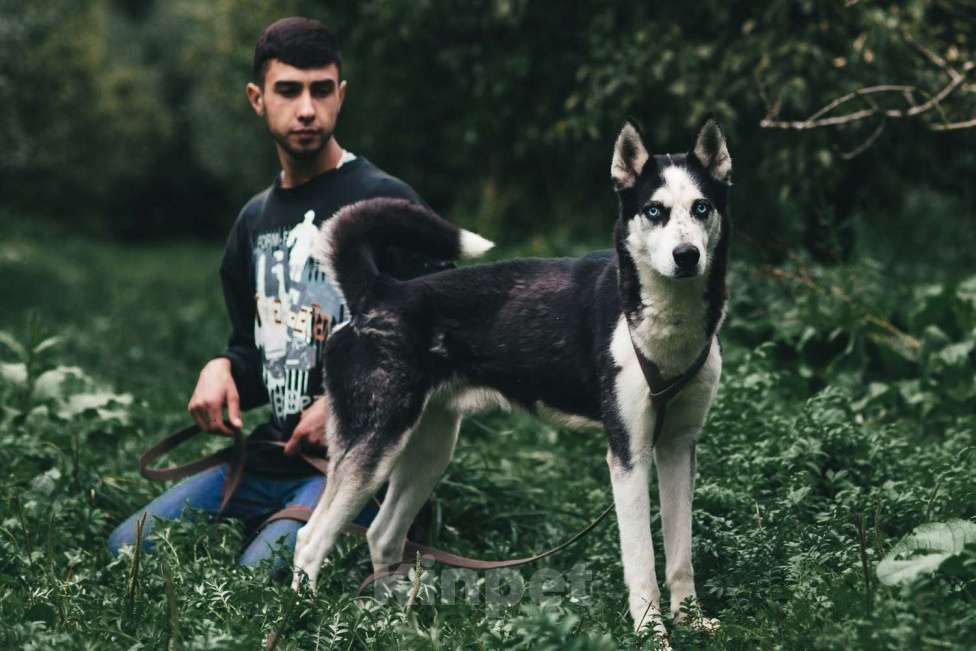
x,y
629,157
713,153
342,92
256,97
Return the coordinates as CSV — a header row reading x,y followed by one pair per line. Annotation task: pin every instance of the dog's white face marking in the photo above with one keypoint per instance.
x,y
653,242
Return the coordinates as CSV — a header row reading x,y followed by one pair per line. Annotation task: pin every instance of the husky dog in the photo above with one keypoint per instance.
x,y
558,335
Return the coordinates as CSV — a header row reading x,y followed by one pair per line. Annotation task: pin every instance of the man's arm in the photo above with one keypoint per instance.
x,y
234,378
241,352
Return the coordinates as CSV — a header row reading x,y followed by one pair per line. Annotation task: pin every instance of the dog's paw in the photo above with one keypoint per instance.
x,y
303,580
650,625
658,634
296,581
706,625
691,616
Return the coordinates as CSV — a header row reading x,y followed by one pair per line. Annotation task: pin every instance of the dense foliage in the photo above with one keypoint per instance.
x,y
844,421
130,116
835,501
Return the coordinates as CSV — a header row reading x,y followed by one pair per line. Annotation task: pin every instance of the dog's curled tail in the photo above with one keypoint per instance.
x,y
347,242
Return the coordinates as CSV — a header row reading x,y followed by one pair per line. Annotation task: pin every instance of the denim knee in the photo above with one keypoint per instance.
x,y
125,534
277,535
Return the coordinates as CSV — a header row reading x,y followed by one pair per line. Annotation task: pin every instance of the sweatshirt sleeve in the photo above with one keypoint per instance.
x,y
235,278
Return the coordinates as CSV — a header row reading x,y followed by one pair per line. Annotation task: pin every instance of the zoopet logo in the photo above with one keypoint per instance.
x,y
495,589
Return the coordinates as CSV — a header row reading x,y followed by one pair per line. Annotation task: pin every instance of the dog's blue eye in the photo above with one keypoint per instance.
x,y
702,208
653,212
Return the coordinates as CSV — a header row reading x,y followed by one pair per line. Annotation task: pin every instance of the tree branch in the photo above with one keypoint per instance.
x,y
817,119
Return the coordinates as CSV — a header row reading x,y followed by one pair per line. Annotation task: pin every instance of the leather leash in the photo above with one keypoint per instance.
x,y
661,394
235,456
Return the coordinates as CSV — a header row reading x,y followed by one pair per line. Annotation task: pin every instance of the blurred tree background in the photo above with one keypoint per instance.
x,y
128,118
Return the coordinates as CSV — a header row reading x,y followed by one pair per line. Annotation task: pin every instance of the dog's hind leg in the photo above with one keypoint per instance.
x,y
351,482
417,471
354,476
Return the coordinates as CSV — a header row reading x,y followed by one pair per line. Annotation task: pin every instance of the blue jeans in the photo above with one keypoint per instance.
x,y
256,497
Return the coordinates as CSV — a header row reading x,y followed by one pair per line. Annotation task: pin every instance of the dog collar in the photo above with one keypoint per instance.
x,y
663,392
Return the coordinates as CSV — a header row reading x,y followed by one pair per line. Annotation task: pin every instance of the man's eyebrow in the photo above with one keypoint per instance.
x,y
287,84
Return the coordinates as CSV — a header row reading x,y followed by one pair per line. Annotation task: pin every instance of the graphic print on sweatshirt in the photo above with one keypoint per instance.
x,y
297,308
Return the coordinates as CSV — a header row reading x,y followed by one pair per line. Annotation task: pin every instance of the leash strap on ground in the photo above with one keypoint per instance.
x,y
411,549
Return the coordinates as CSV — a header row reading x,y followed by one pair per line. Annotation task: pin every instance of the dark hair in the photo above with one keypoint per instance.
x,y
297,41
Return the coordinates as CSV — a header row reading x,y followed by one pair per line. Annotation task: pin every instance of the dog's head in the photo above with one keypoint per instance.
x,y
673,207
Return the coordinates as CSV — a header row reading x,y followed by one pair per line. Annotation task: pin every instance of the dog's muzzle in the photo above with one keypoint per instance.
x,y
686,258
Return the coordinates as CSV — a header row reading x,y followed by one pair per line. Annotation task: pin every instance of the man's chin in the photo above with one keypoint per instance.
x,y
304,153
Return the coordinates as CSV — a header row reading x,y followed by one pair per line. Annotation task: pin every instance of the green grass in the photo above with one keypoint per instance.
x,y
831,439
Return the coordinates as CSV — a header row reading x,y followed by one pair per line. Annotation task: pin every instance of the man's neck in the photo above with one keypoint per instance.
x,y
295,172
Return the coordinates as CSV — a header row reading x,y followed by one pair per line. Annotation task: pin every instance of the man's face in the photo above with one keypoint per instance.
x,y
300,106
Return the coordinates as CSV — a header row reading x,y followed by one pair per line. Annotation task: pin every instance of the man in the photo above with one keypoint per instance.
x,y
281,306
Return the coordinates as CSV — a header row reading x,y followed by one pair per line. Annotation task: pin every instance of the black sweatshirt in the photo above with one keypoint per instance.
x,y
282,306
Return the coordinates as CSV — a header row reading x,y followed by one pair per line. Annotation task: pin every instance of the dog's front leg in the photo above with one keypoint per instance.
x,y
632,503
675,456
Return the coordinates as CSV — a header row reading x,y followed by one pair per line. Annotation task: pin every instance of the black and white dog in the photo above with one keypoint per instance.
x,y
558,335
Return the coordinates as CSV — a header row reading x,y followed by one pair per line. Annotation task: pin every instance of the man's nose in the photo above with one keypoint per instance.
x,y
306,108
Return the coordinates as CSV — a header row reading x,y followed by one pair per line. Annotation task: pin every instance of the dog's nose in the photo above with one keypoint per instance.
x,y
686,256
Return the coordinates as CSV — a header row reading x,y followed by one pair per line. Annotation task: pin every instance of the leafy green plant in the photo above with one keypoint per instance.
x,y
925,549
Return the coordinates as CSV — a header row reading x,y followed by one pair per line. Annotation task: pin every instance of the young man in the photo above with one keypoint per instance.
x,y
281,306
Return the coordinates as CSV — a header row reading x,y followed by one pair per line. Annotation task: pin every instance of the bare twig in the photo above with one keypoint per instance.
x,y
878,544
130,599
418,569
814,124
860,149
949,126
861,92
820,117
862,546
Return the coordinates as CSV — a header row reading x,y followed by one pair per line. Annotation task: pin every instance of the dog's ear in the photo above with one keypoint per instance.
x,y
713,153
629,157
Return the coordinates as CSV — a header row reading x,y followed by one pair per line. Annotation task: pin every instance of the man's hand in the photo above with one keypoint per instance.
x,y
214,390
311,427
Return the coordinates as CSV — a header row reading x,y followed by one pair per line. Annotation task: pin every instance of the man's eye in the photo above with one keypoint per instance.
x,y
322,91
